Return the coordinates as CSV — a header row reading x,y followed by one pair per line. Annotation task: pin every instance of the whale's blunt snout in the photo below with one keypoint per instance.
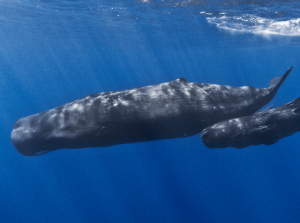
x,y
204,134
20,138
24,140
208,138
28,138
215,136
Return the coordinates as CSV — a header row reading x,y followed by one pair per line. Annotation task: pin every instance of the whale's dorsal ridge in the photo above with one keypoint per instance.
x,y
182,79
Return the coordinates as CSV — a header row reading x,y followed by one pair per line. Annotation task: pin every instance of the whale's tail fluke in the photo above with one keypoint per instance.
x,y
276,82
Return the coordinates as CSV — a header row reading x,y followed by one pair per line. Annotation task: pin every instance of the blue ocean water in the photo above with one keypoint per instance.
x,y
53,52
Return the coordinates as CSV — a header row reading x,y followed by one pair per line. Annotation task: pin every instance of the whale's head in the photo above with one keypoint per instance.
x,y
28,139
230,133
45,132
215,136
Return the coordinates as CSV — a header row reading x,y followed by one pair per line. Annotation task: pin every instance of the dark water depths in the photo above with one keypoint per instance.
x,y
53,52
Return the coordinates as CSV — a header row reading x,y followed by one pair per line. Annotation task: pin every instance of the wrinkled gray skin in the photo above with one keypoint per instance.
x,y
265,127
170,110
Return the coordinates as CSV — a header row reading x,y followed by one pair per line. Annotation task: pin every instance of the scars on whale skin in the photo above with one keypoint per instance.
x,y
265,127
170,110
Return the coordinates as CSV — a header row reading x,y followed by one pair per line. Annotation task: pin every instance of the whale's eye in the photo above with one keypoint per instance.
x,y
296,111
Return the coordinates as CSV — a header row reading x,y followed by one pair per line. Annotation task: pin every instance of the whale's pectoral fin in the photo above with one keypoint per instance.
x,y
276,82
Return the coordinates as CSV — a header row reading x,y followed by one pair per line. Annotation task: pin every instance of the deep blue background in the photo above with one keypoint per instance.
x,y
53,52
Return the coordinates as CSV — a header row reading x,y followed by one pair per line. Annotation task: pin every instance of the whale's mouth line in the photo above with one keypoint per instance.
x,y
42,152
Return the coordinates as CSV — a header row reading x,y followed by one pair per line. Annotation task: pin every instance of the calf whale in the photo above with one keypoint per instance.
x,y
265,127
169,110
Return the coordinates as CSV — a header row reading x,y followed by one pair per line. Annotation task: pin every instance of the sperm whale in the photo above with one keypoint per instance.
x,y
169,110
265,127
